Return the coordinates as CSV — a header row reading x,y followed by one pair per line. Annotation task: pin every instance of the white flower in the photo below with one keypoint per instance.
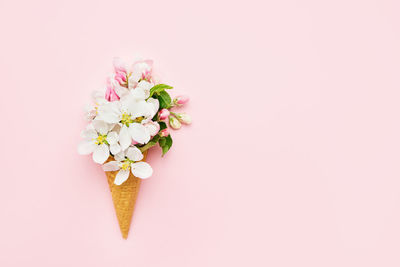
x,y
140,92
91,110
145,86
99,140
139,70
133,114
127,161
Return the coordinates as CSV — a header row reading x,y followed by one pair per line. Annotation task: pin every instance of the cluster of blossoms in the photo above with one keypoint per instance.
x,y
130,117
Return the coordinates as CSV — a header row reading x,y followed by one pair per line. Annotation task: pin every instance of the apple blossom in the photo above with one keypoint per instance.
x,y
133,115
100,141
141,70
125,120
129,161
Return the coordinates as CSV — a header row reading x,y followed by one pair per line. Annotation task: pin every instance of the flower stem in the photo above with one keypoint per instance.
x,y
146,147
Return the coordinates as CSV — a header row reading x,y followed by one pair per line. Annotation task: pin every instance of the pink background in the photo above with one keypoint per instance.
x,y
292,159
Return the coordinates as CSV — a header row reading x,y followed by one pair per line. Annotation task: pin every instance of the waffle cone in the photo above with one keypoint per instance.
x,y
124,197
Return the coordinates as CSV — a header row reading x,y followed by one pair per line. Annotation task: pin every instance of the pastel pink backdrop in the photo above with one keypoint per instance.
x,y
292,159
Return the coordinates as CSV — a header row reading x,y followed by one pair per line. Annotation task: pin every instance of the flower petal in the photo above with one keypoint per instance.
x,y
101,153
116,128
136,75
121,91
89,134
119,64
140,108
134,153
101,126
140,67
146,86
138,93
109,112
90,126
121,177
86,147
112,138
124,137
119,156
152,127
139,133
154,104
111,166
97,95
115,149
141,169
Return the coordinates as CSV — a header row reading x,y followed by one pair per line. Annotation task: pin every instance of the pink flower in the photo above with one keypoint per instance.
x,y
120,71
141,70
120,77
146,75
147,68
119,65
164,133
111,95
163,114
180,100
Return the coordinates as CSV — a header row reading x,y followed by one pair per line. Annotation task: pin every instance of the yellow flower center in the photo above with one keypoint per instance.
x,y
139,119
101,139
126,165
126,119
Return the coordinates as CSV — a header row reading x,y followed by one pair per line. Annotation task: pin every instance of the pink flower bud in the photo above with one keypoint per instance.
x,y
174,123
163,114
164,133
180,100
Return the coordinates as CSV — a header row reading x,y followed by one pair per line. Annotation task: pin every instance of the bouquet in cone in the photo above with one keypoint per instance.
x,y
132,115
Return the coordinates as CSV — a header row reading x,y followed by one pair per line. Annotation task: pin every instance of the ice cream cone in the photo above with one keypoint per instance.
x,y
124,197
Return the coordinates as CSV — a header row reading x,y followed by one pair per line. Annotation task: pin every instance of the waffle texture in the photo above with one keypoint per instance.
x,y
124,197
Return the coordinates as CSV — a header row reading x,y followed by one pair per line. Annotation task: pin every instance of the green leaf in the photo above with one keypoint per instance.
x,y
164,99
157,89
169,140
162,141
168,144
163,125
164,150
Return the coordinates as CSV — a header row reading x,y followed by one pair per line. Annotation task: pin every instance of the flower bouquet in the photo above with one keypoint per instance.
x,y
126,120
